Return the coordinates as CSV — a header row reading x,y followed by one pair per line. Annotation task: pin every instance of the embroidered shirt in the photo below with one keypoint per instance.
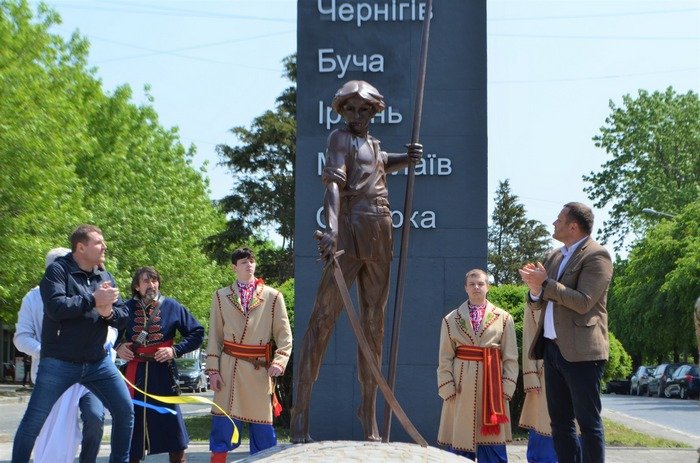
x,y
245,291
476,315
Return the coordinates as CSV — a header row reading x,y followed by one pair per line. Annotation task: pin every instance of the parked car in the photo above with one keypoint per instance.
x,y
662,374
191,375
684,383
617,386
640,379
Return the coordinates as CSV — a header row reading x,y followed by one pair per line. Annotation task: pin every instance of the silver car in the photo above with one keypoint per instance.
x,y
640,379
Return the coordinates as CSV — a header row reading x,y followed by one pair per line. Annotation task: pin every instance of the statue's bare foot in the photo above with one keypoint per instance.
x,y
369,424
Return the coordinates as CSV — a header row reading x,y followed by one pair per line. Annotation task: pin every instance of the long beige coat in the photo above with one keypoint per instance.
x,y
461,418
247,393
535,414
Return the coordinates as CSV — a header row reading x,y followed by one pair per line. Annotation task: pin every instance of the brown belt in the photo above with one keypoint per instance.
x,y
250,353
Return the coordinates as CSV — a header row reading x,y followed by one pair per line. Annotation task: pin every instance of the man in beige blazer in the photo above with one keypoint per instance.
x,y
570,292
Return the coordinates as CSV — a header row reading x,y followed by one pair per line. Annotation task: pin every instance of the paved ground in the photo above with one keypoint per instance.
x,y
353,451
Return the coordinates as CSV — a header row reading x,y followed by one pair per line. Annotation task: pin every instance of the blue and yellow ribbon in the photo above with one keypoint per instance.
x,y
188,399
161,410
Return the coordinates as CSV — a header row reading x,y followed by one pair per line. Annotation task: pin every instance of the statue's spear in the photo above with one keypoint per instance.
x,y
407,210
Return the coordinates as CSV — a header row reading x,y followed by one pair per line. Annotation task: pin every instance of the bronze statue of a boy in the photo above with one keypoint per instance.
x,y
358,221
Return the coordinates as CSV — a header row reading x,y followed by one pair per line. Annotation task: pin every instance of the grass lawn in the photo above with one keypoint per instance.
x,y
616,435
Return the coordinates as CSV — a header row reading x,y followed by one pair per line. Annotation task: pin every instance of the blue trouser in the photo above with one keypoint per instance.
x,y
540,449
262,436
53,379
573,394
92,414
485,453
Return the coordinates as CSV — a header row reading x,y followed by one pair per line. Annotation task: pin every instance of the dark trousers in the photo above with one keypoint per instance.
x,y
573,392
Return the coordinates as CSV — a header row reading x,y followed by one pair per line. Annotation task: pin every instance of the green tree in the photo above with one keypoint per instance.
x,y
152,204
656,287
619,364
262,167
69,153
654,144
513,238
42,132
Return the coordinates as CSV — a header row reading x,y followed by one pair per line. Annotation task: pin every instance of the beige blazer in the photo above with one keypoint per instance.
x,y
247,392
580,299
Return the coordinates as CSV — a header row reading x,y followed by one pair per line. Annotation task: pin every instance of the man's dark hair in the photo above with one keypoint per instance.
x,y
582,215
242,253
80,235
139,273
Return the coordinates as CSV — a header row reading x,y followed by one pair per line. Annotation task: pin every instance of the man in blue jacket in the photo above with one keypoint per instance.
x,y
80,301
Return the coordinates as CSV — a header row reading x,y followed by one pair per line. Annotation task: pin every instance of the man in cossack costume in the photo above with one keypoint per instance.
x,y
241,360
148,347
477,371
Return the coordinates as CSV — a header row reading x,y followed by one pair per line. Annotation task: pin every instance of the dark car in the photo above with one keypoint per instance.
x,y
684,383
662,374
191,375
640,379
617,386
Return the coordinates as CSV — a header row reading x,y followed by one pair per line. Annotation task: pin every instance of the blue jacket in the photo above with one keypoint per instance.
x,y
73,331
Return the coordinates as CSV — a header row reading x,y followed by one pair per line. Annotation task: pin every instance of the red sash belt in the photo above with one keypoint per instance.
x,y
493,406
251,353
142,354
